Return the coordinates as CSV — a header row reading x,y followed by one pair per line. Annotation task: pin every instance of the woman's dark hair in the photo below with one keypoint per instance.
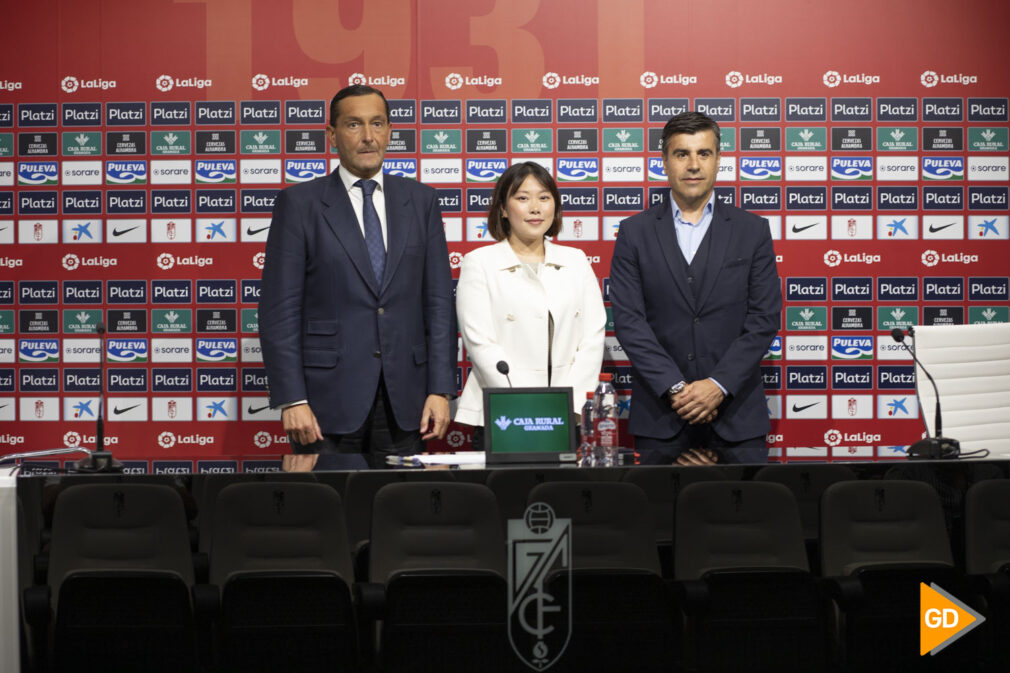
x,y
508,184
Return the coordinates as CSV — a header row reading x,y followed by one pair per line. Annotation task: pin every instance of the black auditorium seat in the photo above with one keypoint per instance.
x,y
748,598
987,562
281,559
622,616
120,575
437,589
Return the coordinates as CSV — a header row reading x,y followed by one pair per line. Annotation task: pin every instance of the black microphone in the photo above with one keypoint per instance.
x,y
503,368
101,459
931,447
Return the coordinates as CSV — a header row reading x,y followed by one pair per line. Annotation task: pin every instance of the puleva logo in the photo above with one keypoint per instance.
x,y
930,78
539,546
942,619
221,171
851,168
126,172
36,173
579,170
127,350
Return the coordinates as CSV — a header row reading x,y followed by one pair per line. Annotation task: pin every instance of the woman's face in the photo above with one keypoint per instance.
x,y
530,211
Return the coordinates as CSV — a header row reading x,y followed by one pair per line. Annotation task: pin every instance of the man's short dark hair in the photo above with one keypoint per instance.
x,y
354,90
690,122
508,184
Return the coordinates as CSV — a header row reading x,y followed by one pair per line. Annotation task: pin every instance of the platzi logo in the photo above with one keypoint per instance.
x,y
454,81
650,80
263,82
833,78
930,78
735,78
539,545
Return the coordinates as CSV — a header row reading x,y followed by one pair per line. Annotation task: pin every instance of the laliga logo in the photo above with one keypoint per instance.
x,y
930,258
832,437
357,78
929,79
165,261
455,259
72,439
70,84
455,439
164,83
260,82
649,79
262,439
832,258
71,262
832,78
453,81
166,440
551,80
259,260
734,79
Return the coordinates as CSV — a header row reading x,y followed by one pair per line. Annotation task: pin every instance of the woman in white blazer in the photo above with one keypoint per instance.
x,y
525,300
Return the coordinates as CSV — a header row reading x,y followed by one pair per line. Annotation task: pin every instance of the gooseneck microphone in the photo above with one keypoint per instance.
x,y
503,368
937,446
101,459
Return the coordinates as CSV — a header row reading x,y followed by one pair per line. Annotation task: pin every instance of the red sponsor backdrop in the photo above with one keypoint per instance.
x,y
60,53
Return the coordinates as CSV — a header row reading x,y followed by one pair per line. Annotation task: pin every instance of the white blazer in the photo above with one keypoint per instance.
x,y
503,312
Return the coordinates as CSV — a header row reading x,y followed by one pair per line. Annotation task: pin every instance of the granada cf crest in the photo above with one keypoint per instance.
x,y
539,561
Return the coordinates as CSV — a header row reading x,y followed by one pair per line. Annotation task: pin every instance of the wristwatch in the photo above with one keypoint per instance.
x,y
676,388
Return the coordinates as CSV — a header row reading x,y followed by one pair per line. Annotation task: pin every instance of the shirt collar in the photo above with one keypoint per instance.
x,y
349,179
678,215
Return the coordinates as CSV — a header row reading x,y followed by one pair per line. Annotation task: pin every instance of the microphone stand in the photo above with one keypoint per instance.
x,y
100,460
938,446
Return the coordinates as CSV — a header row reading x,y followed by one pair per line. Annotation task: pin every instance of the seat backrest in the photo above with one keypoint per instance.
x,y
359,494
987,526
278,526
435,526
807,483
726,525
119,526
611,524
662,484
890,522
511,486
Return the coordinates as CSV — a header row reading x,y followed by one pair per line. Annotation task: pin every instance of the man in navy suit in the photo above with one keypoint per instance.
x,y
356,316
696,300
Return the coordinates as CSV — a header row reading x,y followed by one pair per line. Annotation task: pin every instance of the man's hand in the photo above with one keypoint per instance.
x,y
301,424
299,462
698,401
698,457
436,412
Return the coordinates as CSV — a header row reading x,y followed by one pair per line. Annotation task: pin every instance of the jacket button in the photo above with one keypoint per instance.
x,y
377,354
381,310
697,320
690,356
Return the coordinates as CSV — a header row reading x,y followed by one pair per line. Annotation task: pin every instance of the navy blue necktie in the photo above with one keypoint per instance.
x,y
373,229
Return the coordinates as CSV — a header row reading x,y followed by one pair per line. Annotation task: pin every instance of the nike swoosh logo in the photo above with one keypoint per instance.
x,y
933,228
119,232
117,411
4,406
252,232
797,229
255,410
798,409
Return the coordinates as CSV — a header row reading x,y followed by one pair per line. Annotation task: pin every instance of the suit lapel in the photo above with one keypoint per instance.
x,y
719,232
343,223
667,235
398,218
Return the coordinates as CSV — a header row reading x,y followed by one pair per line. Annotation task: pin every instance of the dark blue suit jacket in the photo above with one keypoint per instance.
x,y
328,329
670,336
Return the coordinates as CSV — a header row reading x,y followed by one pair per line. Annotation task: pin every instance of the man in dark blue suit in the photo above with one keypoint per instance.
x,y
356,316
696,300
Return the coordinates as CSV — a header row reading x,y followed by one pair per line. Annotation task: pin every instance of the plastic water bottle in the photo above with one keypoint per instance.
x,y
605,422
587,444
